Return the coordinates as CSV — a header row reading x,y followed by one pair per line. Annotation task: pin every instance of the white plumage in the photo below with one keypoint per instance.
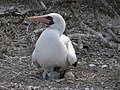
x,y
53,48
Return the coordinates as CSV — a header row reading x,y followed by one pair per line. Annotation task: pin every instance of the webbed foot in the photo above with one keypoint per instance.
x,y
50,74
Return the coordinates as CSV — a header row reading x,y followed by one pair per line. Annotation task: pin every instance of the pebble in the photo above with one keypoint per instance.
x,y
69,75
92,65
104,66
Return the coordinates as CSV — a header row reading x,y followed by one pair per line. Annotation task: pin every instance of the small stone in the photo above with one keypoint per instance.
x,y
66,88
87,88
60,80
30,88
104,66
36,88
2,56
92,65
69,75
79,63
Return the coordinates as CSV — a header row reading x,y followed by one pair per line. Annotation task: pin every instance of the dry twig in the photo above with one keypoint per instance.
x,y
3,88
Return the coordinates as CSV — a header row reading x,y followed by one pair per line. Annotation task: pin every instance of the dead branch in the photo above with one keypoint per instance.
x,y
110,10
86,27
76,35
11,14
52,5
109,30
21,14
99,35
115,4
113,35
43,5
3,88
76,46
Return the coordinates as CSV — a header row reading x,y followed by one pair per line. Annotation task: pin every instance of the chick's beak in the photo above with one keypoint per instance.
x,y
41,19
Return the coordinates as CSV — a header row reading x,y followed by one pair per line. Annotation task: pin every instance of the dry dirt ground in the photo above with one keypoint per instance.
x,y
98,67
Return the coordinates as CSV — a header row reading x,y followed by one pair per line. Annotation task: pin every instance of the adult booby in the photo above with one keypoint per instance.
x,y
53,49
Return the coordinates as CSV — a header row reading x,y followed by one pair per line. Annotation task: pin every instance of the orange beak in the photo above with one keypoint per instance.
x,y
41,19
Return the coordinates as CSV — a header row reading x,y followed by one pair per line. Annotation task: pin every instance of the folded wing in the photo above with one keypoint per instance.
x,y
34,60
72,59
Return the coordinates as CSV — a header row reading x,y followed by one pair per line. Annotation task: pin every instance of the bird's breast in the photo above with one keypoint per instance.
x,y
50,42
51,50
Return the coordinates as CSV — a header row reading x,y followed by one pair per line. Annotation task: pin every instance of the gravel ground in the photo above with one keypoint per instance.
x,y
98,65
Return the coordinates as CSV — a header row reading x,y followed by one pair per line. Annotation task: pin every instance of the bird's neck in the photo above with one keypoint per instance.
x,y
58,28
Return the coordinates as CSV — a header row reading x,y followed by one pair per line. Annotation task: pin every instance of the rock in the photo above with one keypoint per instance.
x,y
2,56
69,75
92,65
104,66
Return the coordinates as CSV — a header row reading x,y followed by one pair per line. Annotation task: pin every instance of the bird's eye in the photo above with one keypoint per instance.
x,y
50,19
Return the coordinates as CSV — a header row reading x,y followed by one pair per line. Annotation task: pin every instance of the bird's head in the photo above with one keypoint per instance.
x,y
53,20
